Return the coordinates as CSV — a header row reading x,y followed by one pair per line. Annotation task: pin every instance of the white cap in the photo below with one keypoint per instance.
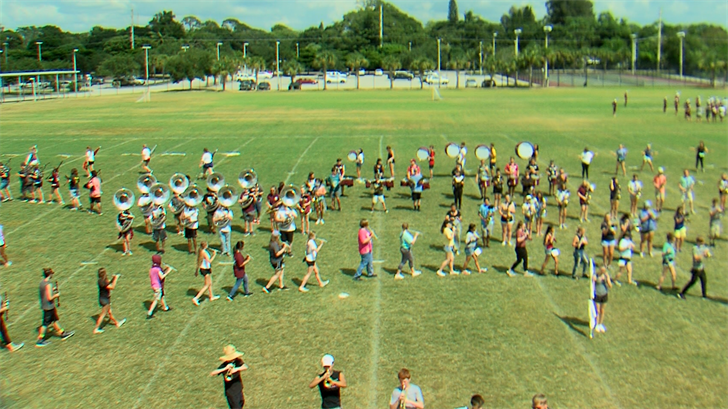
x,y
327,360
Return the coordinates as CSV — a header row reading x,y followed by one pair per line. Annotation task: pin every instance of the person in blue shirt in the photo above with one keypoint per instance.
x,y
621,160
486,211
406,241
648,225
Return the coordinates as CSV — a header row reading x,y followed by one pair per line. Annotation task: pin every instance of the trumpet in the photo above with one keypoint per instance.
x,y
215,182
145,182
179,183
248,178
226,196
123,199
160,194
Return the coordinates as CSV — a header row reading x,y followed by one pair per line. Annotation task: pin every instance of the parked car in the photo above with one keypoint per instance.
x,y
264,86
471,83
403,75
306,80
378,72
294,86
335,77
247,85
265,75
487,83
362,71
97,80
433,78
126,81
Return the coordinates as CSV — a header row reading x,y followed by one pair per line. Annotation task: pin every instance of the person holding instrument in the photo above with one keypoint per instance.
x,y
407,395
312,250
232,365
407,240
277,250
157,277
48,296
4,306
330,383
105,288
204,263
239,263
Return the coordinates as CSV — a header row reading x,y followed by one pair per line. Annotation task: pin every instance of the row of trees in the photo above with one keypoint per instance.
x,y
188,48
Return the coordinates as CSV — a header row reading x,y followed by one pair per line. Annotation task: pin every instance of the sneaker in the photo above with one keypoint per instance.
x,y
440,273
371,275
454,272
120,323
619,284
149,317
323,221
324,283
415,273
642,254
504,243
98,331
680,296
42,343
466,272
12,347
398,276
247,294
386,211
229,298
483,269
217,297
168,309
66,335
510,273
634,283
528,274
357,278
602,328
284,288
196,302
266,290
129,252
303,289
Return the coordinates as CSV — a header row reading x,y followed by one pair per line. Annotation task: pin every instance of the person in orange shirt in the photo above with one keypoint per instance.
x,y
94,186
660,183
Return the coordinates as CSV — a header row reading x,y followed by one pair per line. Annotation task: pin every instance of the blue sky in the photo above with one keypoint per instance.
x,y
81,15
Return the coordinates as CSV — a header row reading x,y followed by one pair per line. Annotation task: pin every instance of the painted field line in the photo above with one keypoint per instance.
x,y
298,162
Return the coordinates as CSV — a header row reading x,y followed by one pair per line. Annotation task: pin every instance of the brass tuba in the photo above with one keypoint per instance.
x,y
160,194
145,182
123,199
179,183
215,182
192,196
290,196
248,179
226,196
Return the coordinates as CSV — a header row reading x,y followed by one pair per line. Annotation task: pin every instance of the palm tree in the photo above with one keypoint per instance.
x,y
292,68
257,64
324,60
391,64
490,66
421,66
527,59
224,67
458,63
356,61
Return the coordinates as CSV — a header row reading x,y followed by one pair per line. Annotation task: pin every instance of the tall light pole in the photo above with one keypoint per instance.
x,y
518,32
481,58
681,34
75,72
5,51
146,60
40,55
547,30
278,64
245,50
218,50
438,55
634,51
495,34
410,46
297,56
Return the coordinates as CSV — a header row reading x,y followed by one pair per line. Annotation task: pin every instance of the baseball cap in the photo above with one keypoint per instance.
x,y
156,260
327,360
660,170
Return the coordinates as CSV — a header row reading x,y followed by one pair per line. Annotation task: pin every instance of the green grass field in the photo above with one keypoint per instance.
x,y
506,338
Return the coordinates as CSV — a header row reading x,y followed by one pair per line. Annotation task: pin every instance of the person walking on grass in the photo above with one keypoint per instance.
x,y
687,189
447,231
522,236
608,240
105,288
680,230
700,253
668,261
204,267
551,252
472,251
579,243
9,344
277,250
626,248
157,277
48,296
602,284
241,277
406,241
330,382
364,238
506,210
635,193
715,227
312,250
648,225
231,367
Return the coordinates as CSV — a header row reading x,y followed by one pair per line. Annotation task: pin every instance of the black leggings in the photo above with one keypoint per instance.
x,y
457,192
521,255
699,159
697,275
584,170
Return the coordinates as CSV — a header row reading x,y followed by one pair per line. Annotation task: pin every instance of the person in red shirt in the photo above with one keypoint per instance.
x,y
660,183
94,186
304,207
511,170
413,169
431,159
274,201
239,263
365,237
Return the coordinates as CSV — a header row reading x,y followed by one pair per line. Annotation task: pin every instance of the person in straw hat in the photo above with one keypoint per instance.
x,y
231,366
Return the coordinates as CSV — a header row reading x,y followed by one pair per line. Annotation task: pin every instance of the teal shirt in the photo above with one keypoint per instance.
x,y
406,240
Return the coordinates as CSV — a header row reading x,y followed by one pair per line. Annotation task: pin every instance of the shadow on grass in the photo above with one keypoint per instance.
x,y
119,247
348,271
436,247
401,207
150,245
720,300
501,269
574,324
390,271
181,247
146,304
430,267
261,282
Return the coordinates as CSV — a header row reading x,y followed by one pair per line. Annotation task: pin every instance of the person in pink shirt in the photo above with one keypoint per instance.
x,y
511,170
94,186
365,250
156,277
660,183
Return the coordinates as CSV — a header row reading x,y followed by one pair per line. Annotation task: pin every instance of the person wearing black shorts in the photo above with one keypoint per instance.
x,y
204,263
602,284
277,250
105,288
10,345
48,305
312,250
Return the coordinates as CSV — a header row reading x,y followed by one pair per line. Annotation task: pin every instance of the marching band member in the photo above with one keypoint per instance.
x,y
621,155
715,214
206,162
522,236
458,183
319,201
608,240
304,207
456,217
312,250
472,251
460,158
660,184
677,102
157,277
700,252
378,194
32,158
431,159
583,193
562,201
417,188
602,284
232,365
94,195
48,294
239,263
3,244
497,187
506,210
177,206
273,202
285,219
614,108
257,193
529,212
485,212
9,344
407,395
680,229
492,158
159,232
334,183
626,248
406,241
247,203
552,173
647,155
146,157
447,231
668,261
635,192
5,194
722,190
648,226
190,219
73,184
26,184
413,169
340,171
124,222
551,252
482,178
687,188
105,288
277,250
539,203
511,170
55,180
223,218
210,203
330,383
204,267
379,169
364,238
579,243
390,161
37,177
359,163
88,164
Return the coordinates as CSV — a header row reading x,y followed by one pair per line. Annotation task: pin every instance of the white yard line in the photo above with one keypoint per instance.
x,y
293,171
